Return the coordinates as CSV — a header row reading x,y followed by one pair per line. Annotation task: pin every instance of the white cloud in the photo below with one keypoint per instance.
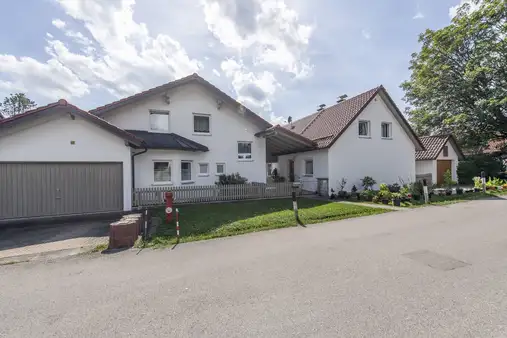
x,y
366,34
58,23
418,16
216,72
453,11
267,38
120,55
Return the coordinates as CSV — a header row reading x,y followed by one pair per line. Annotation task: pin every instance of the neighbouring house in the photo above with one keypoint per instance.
x,y
60,160
496,148
442,153
365,135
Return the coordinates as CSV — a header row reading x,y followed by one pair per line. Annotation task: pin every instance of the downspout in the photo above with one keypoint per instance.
x,y
133,166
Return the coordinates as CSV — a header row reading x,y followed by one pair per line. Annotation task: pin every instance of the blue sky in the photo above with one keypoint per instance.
x,y
279,57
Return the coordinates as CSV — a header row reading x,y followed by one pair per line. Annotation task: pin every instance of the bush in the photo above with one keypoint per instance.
x,y
473,166
231,179
367,195
278,179
368,182
394,187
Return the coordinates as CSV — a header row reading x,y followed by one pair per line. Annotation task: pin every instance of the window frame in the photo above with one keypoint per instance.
x,y
389,129
199,171
159,112
182,181
368,123
194,115
170,165
244,158
216,169
306,161
445,151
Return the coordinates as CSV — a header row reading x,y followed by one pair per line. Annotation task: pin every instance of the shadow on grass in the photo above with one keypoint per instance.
x,y
202,219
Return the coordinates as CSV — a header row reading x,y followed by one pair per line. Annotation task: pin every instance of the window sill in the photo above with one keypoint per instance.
x,y
245,160
203,175
220,174
187,182
308,175
387,138
161,184
365,137
201,134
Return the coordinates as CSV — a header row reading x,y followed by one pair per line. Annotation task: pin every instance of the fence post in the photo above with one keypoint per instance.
x,y
425,191
146,224
177,224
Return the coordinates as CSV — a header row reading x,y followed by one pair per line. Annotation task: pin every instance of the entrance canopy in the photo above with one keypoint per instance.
x,y
281,141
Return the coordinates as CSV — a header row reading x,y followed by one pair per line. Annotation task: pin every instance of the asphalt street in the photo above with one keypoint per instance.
x,y
436,271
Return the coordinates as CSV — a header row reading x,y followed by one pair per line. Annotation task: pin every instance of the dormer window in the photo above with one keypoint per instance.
x,y
202,124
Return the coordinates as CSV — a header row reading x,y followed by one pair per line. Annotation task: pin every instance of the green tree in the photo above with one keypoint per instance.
x,y
16,104
459,77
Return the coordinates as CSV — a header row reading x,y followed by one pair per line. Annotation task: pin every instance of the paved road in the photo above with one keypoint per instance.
x,y
439,271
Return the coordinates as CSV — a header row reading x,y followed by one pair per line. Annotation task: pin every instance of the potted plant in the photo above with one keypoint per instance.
x,y
384,193
396,197
332,196
459,191
367,195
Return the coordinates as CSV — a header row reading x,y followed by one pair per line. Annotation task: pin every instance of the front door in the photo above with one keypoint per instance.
x,y
291,170
442,167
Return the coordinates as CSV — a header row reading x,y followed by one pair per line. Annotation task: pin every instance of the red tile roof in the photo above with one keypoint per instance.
x,y
433,146
326,126
495,146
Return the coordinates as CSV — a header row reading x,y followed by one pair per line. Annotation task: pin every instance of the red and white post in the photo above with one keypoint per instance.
x,y
177,223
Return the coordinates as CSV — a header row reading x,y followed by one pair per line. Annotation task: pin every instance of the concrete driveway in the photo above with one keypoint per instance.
x,y
438,271
24,242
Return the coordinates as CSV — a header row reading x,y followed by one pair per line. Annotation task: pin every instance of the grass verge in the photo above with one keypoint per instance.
x,y
206,221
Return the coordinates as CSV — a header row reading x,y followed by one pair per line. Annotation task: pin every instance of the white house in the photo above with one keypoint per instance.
x,y
365,135
59,160
441,154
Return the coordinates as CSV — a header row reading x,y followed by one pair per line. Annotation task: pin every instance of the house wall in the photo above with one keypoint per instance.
x,y
453,156
430,166
49,140
228,126
320,167
386,160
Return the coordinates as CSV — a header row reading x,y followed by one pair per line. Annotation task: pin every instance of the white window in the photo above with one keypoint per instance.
x,y
220,168
203,169
162,172
364,128
386,129
309,168
186,171
159,120
244,150
202,124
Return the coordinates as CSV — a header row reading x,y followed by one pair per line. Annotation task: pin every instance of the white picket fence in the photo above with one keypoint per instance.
x,y
154,196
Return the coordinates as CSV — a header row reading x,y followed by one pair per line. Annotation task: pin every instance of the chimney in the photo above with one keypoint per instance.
x,y
342,98
321,107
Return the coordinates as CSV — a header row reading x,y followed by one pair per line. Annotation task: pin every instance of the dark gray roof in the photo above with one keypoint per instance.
x,y
167,141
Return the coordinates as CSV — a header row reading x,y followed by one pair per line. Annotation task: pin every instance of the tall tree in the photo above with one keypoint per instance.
x,y
459,77
16,104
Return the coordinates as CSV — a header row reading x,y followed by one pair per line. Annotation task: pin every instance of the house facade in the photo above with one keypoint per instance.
x,y
441,154
365,135
193,133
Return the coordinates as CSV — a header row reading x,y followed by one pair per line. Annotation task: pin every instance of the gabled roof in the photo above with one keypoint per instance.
x,y
63,107
195,78
167,141
326,126
433,146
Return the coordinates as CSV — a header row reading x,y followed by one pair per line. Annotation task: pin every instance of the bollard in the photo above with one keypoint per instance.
x,y
425,191
145,224
177,224
295,207
483,180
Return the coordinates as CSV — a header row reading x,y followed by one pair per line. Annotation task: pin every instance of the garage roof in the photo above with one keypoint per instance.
x,y
167,141
433,146
63,107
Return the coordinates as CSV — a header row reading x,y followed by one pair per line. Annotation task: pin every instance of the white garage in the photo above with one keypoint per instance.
x,y
58,160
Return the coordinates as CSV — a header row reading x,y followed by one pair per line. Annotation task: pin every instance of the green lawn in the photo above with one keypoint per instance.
x,y
205,221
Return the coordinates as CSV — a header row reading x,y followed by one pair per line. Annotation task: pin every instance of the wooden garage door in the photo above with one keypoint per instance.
x,y
29,190
442,167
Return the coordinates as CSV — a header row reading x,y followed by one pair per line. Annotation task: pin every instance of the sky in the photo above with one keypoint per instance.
x,y
280,58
